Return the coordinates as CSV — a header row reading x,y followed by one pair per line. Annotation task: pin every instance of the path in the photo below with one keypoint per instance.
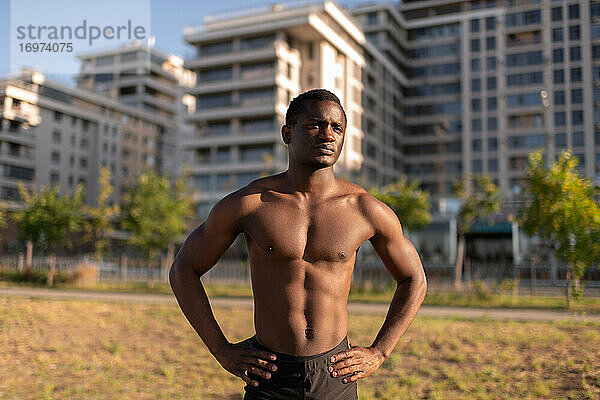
x,y
359,308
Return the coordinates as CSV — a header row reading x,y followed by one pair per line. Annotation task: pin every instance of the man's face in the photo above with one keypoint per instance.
x,y
317,137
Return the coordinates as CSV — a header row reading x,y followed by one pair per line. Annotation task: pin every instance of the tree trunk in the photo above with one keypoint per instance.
x,y
569,290
459,263
168,262
532,277
29,262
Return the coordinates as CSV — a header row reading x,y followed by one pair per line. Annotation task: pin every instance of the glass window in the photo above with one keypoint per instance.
x,y
557,14
575,53
493,165
575,74
476,64
595,9
493,144
523,59
560,140
491,63
490,23
595,28
578,139
574,32
523,99
557,35
576,96
476,144
577,117
492,124
558,55
477,166
475,45
491,83
475,85
474,25
492,104
574,11
559,97
560,118
476,105
523,18
559,76
476,125
490,43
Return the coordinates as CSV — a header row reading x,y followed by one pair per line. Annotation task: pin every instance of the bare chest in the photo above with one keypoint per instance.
x,y
331,232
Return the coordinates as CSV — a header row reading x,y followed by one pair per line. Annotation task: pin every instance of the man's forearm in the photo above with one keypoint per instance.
x,y
194,303
405,304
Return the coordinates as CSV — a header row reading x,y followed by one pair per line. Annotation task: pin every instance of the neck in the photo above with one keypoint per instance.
x,y
309,180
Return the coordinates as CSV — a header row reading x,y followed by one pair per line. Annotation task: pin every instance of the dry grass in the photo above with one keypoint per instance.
x,y
52,349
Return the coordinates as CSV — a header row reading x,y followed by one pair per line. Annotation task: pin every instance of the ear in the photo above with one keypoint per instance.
x,y
286,134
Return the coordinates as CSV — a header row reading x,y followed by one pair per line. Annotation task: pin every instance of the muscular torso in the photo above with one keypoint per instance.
x,y
302,253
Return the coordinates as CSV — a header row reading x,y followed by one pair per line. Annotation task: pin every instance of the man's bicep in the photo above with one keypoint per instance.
x,y
397,252
209,241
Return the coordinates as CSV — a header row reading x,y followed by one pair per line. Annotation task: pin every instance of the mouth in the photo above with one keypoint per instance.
x,y
323,148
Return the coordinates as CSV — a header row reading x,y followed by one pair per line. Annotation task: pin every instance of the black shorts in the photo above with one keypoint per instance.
x,y
302,378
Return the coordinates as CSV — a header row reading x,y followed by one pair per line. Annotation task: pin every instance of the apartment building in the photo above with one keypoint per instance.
x,y
51,134
249,66
139,75
491,81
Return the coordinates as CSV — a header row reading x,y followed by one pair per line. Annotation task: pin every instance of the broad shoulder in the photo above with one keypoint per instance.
x,y
246,199
378,214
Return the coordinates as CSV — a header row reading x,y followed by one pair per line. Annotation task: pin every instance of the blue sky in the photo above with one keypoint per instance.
x,y
168,18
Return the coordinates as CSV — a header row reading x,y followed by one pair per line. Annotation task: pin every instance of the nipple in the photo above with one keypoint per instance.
x,y
309,333
270,249
342,254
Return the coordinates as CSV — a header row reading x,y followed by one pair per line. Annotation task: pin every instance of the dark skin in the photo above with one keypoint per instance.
x,y
303,228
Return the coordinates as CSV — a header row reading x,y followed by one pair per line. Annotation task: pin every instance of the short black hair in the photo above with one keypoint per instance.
x,y
295,107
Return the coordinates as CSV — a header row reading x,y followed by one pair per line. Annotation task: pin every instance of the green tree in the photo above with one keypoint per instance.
x,y
47,218
99,218
409,202
156,213
561,208
480,198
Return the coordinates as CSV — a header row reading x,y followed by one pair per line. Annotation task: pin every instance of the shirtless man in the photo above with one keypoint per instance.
x,y
303,228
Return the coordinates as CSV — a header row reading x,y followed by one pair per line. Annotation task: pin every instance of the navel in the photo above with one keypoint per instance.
x,y
309,333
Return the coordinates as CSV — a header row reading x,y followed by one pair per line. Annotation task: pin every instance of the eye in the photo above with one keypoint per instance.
x,y
338,129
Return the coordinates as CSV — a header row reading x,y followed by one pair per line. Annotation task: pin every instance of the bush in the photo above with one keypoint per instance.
x,y
36,277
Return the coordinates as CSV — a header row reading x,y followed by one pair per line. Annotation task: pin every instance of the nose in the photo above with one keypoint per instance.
x,y
327,133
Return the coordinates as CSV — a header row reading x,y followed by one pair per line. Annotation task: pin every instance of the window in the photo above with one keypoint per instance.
x,y
57,116
490,43
476,64
574,11
559,97
492,124
560,118
578,139
596,51
476,105
527,78
577,117
474,25
477,166
491,83
577,96
557,35
475,85
492,165
560,140
558,55
476,144
83,162
492,104
493,144
574,32
559,76
490,23
523,59
54,178
557,14
56,137
475,45
575,74
575,53
595,28
491,63
523,100
476,125
523,18
55,157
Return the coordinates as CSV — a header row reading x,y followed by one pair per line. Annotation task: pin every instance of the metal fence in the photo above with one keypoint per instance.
x,y
368,273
